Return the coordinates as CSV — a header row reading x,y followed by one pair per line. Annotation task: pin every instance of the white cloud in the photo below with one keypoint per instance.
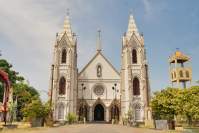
x,y
147,7
30,26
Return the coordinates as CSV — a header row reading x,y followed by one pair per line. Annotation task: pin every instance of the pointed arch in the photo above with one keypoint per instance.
x,y
63,56
62,86
83,112
136,86
61,111
134,56
114,110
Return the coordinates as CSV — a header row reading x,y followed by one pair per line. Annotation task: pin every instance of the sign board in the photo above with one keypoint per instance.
x,y
161,124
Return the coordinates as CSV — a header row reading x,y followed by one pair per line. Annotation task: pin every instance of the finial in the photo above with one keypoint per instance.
x,y
131,11
177,49
99,31
99,40
132,28
67,16
67,12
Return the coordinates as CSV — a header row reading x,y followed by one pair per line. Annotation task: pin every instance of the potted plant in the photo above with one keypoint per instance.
x,y
35,113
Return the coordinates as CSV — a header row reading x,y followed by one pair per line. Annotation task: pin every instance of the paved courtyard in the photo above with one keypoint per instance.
x,y
88,128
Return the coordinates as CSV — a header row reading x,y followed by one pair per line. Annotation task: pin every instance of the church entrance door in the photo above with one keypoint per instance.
x,y
99,113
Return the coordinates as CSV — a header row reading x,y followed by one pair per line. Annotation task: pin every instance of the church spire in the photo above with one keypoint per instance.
x,y
67,25
132,28
99,41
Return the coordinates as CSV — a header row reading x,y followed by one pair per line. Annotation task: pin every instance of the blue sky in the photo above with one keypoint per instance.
x,y
28,29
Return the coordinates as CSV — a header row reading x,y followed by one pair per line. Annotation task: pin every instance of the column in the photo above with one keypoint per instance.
x,y
107,114
55,113
90,113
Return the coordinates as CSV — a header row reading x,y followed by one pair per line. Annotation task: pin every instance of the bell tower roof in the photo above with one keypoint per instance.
x,y
67,26
67,30
179,57
132,28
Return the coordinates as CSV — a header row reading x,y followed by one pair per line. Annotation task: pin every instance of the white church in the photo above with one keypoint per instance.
x,y
99,92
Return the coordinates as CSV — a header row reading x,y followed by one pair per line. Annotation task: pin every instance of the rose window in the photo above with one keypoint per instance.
x,y
99,90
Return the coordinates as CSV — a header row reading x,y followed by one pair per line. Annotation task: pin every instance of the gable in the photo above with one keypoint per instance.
x,y
90,70
135,40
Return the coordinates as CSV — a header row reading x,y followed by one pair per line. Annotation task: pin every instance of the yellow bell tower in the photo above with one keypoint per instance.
x,y
180,70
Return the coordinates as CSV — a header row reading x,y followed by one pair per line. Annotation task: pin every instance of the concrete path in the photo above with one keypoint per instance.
x,y
88,128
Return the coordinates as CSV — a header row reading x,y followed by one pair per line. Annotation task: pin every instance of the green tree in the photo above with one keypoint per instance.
x,y
24,95
21,91
12,111
172,102
165,104
35,109
48,114
189,104
13,75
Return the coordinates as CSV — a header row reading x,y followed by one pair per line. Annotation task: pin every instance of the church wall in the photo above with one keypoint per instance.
x,y
88,77
99,81
88,93
107,71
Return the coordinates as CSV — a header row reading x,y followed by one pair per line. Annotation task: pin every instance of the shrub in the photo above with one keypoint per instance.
x,y
72,118
125,120
33,110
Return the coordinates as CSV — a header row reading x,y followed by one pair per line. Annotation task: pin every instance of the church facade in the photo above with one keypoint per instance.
x,y
99,92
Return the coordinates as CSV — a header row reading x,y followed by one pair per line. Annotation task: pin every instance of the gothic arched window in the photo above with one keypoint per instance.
x,y
62,86
63,56
99,71
136,86
134,56
61,111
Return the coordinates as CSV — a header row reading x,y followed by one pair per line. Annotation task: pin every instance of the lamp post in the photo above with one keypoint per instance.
x,y
83,112
114,88
51,89
51,92
114,107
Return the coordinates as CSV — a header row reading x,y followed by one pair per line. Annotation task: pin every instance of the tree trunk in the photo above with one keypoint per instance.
x,y
189,120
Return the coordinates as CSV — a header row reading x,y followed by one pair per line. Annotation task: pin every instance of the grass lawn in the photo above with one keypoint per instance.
x,y
192,130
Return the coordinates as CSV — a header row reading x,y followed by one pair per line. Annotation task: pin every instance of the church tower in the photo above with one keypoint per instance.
x,y
135,89
64,73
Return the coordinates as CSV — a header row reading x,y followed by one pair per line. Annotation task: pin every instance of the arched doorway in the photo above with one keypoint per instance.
x,y
99,113
83,113
114,111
